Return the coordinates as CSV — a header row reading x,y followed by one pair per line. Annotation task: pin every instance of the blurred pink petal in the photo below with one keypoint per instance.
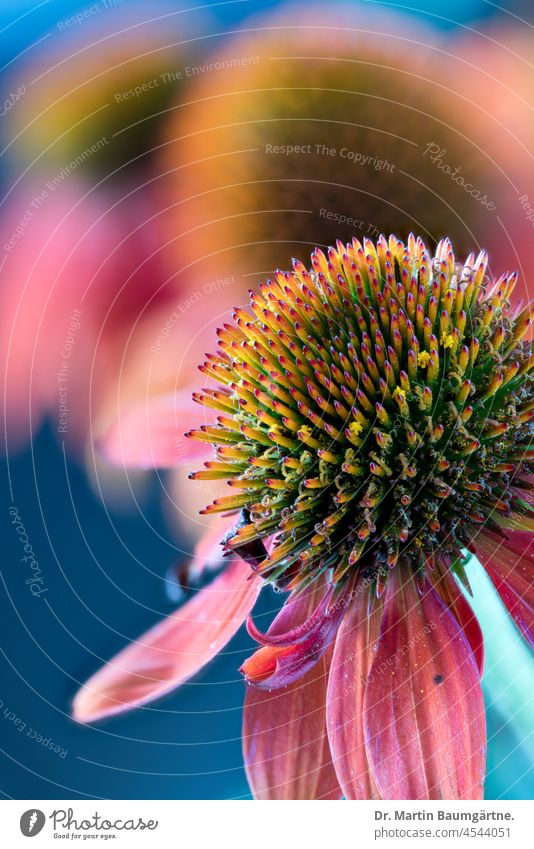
x,y
150,434
173,650
79,276
492,69
296,633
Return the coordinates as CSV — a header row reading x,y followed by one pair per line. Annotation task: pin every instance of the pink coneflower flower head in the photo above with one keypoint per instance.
x,y
374,424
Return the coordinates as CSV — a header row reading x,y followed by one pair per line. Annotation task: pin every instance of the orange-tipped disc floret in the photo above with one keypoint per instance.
x,y
375,407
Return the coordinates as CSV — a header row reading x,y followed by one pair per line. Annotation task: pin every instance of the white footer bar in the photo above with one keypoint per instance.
x,y
274,825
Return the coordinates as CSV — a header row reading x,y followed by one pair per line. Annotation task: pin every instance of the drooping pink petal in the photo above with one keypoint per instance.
x,y
353,655
285,743
452,595
509,561
424,720
173,650
274,666
150,434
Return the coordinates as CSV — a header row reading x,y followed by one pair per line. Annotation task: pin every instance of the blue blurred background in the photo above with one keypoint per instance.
x,y
105,555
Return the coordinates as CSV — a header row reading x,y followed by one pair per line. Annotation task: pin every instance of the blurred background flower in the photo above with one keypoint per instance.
x,y
323,123
493,70
140,201
109,74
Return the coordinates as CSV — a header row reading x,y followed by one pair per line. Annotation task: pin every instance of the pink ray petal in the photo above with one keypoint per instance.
x,y
424,720
509,561
173,650
353,655
150,434
285,743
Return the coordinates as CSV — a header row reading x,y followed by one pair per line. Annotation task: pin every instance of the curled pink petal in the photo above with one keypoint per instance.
x,y
277,666
172,651
424,720
78,295
296,634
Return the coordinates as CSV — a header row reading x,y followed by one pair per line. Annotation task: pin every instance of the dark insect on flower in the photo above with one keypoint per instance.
x,y
374,421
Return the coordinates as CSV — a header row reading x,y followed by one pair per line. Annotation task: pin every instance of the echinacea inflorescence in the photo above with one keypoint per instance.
x,y
374,424
375,408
